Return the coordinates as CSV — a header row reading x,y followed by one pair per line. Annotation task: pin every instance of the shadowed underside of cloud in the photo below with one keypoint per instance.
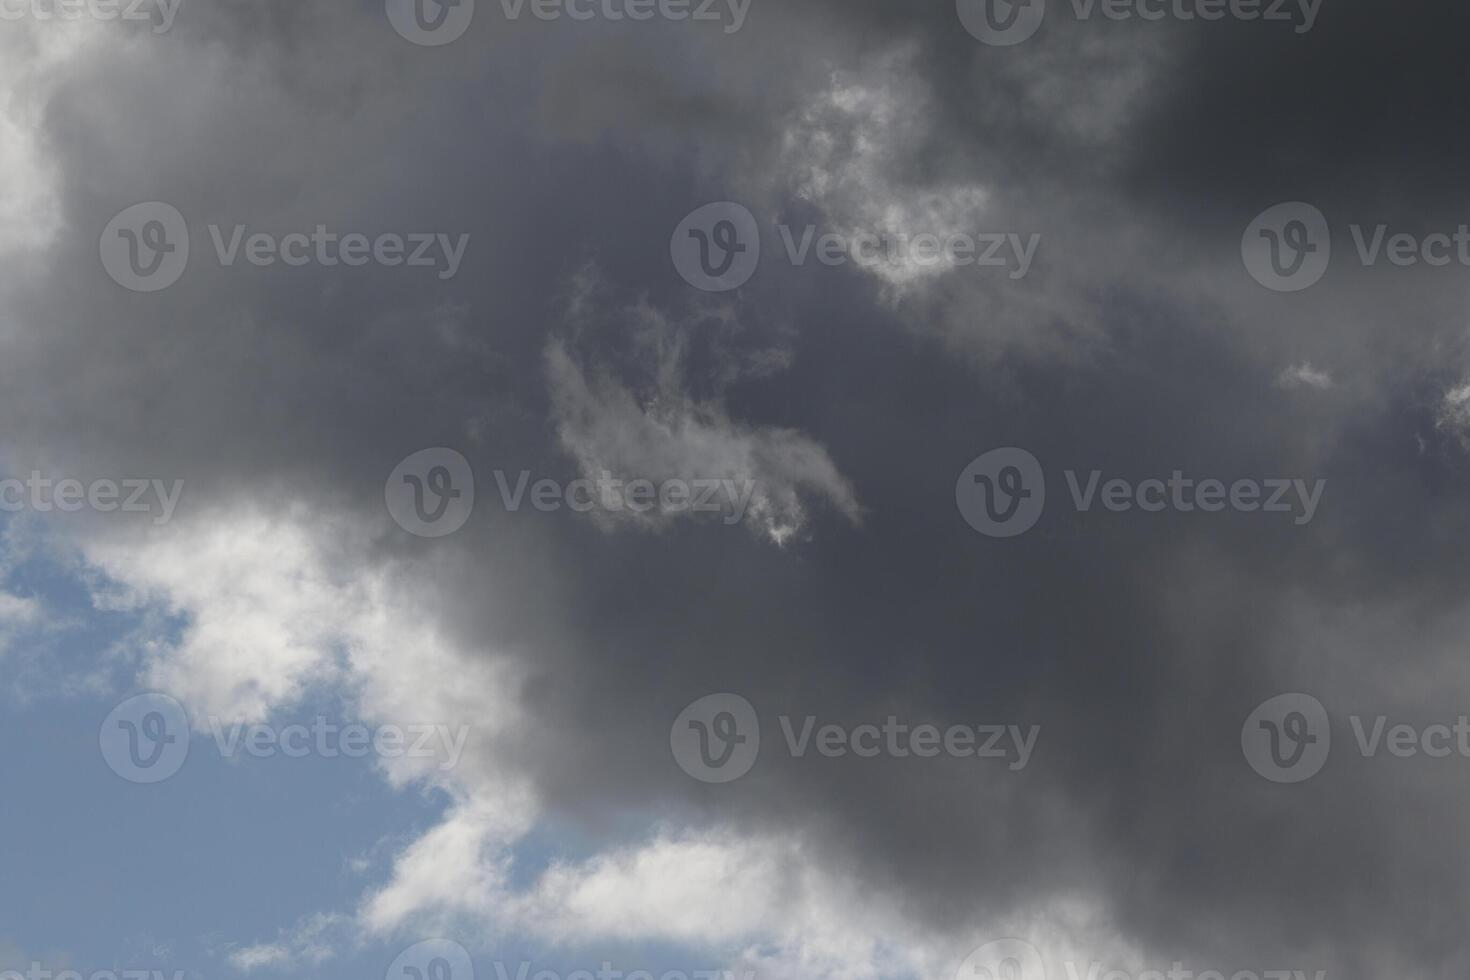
x,y
1137,345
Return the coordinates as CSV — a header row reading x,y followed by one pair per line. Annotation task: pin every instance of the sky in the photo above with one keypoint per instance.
x,y
734,489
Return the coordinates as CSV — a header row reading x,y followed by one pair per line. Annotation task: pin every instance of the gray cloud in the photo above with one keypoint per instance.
x,y
1139,346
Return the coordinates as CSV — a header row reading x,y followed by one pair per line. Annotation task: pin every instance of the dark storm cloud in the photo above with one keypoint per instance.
x,y
1338,111
1138,642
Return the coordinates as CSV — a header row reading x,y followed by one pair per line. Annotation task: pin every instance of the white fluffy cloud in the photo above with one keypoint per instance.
x,y
265,619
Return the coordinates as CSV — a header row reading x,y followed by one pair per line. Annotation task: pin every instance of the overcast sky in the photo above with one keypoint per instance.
x,y
815,489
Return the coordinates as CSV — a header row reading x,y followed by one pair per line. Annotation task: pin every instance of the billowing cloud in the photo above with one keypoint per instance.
x,y
841,403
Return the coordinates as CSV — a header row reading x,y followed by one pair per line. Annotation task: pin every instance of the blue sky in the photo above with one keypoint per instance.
x,y
107,874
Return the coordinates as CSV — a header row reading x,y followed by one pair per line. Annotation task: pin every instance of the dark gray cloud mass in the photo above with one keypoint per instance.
x,y
1138,346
